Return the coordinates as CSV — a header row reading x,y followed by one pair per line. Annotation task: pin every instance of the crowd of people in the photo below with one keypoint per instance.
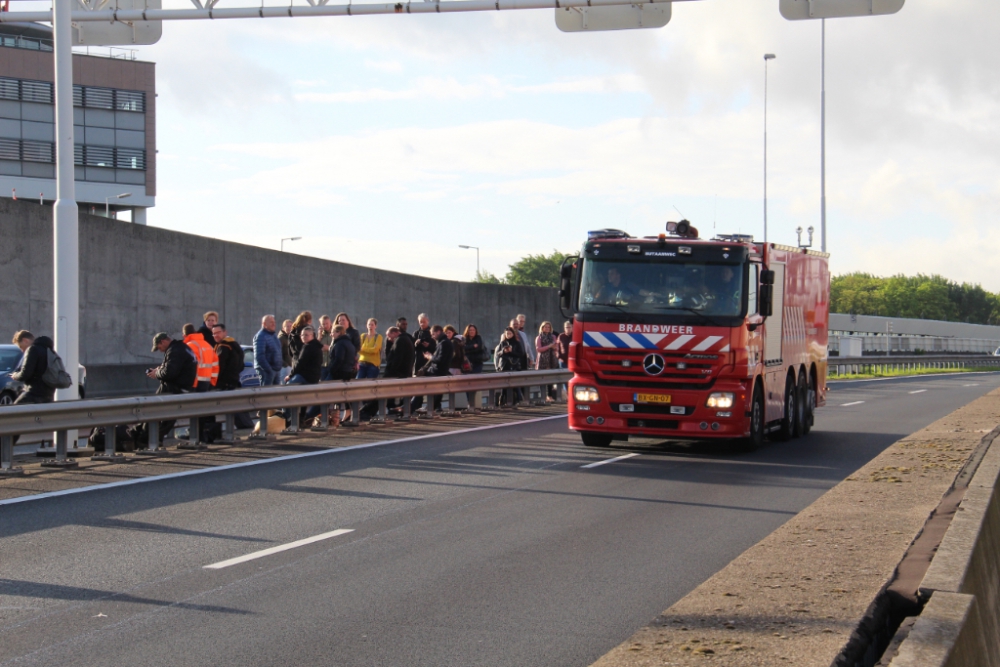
x,y
208,358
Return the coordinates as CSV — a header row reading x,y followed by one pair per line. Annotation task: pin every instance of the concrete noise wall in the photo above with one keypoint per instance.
x,y
137,280
960,624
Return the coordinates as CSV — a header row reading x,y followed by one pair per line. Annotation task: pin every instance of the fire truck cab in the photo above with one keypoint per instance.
x,y
684,338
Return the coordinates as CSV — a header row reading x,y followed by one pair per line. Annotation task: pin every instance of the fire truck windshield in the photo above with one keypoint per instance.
x,y
659,288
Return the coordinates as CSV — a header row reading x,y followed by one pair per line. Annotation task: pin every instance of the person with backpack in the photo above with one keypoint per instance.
x,y
32,372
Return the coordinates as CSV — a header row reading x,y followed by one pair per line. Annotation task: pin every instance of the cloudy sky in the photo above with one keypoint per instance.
x,y
390,140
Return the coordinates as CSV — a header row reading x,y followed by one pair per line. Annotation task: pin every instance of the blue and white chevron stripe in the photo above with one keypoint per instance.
x,y
638,341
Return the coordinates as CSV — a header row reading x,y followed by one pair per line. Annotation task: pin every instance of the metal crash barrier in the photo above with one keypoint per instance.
x,y
85,415
874,364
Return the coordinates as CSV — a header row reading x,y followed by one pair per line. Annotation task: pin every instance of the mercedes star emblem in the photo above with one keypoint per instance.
x,y
653,364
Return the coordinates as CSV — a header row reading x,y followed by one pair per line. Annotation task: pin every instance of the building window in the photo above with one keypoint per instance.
x,y
109,98
36,91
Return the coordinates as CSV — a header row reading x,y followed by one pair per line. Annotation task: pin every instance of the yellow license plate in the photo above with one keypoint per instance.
x,y
652,398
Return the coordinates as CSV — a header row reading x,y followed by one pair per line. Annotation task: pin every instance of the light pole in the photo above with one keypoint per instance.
x,y
767,56
107,202
290,238
472,247
822,140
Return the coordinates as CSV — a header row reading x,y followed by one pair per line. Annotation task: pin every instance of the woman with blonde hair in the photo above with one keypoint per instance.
x,y
547,347
370,352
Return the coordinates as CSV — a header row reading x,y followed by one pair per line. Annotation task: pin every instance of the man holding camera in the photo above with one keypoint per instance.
x,y
176,374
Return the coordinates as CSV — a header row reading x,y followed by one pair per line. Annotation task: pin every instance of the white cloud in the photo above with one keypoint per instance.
x,y
441,89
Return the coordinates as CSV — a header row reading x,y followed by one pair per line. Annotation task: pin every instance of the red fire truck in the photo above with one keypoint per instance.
x,y
679,337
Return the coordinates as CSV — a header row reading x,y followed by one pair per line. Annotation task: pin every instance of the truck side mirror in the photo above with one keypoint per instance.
x,y
765,296
566,284
767,277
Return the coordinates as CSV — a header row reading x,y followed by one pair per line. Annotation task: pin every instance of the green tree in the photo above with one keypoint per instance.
x,y
920,296
487,277
536,270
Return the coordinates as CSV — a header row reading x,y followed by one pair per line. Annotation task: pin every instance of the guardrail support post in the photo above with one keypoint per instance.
x,y
7,468
110,444
261,433
194,435
451,411
229,430
491,401
324,418
153,446
405,417
293,427
60,461
382,413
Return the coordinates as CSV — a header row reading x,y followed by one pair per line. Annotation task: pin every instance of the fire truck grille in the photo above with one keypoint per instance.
x,y
650,409
623,367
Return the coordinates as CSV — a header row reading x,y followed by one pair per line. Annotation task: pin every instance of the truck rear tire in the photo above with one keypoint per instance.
x,y
789,421
807,399
591,439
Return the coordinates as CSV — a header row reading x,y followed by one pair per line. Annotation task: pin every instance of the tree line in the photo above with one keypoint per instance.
x,y
920,297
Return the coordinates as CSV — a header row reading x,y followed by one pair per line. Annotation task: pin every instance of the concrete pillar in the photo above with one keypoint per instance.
x,y
139,216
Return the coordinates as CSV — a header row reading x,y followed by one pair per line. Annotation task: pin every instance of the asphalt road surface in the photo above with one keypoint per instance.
x,y
493,547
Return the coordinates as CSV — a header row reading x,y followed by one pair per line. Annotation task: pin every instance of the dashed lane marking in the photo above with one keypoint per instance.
x,y
278,549
847,405
607,461
918,391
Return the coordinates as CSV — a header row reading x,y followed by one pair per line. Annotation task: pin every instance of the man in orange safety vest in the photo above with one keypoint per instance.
x,y
208,361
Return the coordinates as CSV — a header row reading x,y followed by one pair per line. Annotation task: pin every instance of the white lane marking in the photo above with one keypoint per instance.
x,y
278,549
974,384
847,405
247,464
918,391
607,461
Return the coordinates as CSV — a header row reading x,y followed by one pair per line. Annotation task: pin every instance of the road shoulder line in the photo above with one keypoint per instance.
x,y
256,462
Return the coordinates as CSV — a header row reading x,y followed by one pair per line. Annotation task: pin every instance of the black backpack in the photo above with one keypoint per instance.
x,y
55,375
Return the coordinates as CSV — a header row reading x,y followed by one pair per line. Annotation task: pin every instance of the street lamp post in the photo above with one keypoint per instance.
x,y
472,247
107,202
290,238
822,140
767,56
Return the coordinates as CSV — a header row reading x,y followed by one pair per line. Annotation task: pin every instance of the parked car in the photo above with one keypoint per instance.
x,y
248,378
996,352
10,357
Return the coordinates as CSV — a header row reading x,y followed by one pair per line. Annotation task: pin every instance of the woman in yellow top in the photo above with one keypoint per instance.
x,y
370,354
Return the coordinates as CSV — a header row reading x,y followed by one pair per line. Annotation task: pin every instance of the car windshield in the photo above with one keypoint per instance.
x,y
648,287
248,356
9,359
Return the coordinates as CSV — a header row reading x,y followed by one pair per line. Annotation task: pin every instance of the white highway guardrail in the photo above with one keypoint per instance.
x,y
85,415
848,365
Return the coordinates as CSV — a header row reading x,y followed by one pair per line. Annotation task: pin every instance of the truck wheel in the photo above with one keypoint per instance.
x,y
591,439
756,438
789,421
807,398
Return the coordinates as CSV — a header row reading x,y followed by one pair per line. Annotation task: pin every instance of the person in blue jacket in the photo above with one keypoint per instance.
x,y
267,353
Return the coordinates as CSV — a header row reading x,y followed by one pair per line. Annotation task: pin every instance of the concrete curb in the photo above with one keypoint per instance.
x,y
805,593
960,625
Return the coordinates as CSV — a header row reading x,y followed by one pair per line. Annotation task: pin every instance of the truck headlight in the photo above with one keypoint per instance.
x,y
584,394
720,400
